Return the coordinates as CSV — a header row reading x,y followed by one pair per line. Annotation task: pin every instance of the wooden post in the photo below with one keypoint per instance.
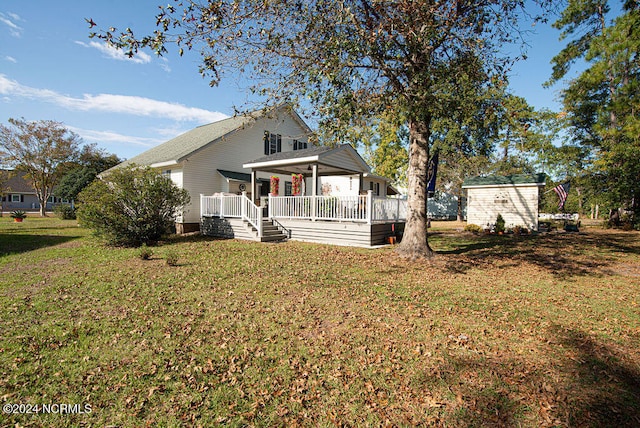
x,y
369,206
243,206
314,191
253,186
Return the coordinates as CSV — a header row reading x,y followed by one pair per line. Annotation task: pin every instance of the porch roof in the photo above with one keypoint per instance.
x,y
341,160
238,176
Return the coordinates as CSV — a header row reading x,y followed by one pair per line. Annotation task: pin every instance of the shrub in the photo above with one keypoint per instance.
x,y
474,228
145,252
131,206
499,224
65,212
18,214
172,258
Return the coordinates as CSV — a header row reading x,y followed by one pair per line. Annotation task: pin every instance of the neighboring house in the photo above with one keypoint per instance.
x,y
230,191
19,194
515,197
443,206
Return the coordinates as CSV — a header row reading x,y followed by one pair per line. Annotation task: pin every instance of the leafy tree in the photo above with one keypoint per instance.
x,y
386,145
350,59
602,103
91,162
43,149
131,206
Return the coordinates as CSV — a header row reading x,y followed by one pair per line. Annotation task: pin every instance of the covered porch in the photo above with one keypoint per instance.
x,y
359,218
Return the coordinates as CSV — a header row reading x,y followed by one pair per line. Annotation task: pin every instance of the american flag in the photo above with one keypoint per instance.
x,y
562,190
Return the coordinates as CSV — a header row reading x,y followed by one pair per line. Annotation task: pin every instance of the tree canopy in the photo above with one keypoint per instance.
x,y
603,102
91,161
43,149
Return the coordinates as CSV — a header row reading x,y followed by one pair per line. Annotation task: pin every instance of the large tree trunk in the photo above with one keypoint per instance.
x,y
414,241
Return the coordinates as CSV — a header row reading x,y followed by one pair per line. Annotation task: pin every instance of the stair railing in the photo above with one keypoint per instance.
x,y
282,228
252,213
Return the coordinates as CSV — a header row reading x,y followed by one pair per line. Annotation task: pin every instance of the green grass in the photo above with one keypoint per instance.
x,y
508,331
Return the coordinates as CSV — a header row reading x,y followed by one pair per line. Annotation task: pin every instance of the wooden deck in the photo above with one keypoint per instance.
x,y
361,221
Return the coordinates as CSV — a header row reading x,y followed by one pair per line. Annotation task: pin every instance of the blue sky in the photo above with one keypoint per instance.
x,y
50,69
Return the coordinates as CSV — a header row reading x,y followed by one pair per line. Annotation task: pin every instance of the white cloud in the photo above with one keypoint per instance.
x,y
14,29
115,53
109,103
11,59
114,137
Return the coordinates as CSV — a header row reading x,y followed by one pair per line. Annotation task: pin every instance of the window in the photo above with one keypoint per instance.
x,y
167,173
288,191
272,143
15,198
374,187
299,145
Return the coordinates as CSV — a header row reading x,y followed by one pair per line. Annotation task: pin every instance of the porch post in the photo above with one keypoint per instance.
x,y
253,186
243,206
314,191
369,206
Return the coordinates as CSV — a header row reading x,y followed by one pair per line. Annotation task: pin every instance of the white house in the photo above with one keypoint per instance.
x,y
515,197
209,159
227,166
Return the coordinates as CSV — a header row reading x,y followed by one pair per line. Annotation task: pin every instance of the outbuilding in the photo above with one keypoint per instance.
x,y
515,197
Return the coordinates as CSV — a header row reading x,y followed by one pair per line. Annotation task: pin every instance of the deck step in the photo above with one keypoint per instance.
x,y
270,232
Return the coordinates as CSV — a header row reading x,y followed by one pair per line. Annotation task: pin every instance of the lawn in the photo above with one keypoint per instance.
x,y
497,331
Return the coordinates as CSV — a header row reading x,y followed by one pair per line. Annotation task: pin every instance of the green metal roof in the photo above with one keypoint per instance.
x,y
506,180
239,176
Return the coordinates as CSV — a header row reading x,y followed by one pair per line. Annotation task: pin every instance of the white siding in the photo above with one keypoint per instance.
x,y
200,171
344,161
517,204
340,185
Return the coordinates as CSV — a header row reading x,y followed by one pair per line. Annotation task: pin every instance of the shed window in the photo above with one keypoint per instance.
x,y
15,198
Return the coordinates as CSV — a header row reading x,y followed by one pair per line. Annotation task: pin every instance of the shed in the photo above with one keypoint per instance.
x,y
516,197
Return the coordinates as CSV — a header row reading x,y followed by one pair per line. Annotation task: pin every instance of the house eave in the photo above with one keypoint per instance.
x,y
485,186
164,164
281,162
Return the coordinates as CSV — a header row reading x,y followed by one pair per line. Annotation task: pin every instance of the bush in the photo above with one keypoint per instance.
x,y
499,224
172,258
18,214
145,252
131,206
474,228
65,212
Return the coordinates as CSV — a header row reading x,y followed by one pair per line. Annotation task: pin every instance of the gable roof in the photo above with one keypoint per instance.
x,y
505,180
342,159
17,182
181,147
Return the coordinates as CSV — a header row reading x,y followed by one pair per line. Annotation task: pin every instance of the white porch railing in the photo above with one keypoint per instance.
x,y
362,208
232,206
252,213
389,209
